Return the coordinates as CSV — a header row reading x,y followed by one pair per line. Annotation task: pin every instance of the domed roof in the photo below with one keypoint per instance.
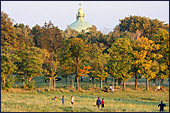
x,y
80,24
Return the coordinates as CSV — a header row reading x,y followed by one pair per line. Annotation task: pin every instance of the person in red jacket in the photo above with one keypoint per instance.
x,y
103,103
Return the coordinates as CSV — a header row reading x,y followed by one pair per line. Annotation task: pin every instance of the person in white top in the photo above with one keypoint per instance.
x,y
72,99
111,88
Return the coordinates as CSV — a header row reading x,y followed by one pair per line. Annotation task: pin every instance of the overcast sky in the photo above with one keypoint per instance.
x,y
102,14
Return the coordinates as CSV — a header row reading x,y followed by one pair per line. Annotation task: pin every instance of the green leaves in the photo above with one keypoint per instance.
x,y
8,33
8,59
120,61
146,25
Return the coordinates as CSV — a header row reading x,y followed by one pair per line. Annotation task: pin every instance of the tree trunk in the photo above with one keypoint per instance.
x,y
93,82
106,80
54,82
49,83
113,82
116,83
4,82
69,80
119,81
72,86
66,79
77,78
161,82
101,84
124,86
147,84
154,80
92,79
136,81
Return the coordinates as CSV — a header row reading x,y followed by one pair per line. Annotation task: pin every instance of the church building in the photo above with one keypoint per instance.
x,y
80,24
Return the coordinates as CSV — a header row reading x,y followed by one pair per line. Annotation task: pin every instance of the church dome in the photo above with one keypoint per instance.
x,y
80,24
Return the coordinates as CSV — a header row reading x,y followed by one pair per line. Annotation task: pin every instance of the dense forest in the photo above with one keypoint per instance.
x,y
138,47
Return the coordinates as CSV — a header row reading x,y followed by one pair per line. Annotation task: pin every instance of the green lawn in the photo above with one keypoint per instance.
x,y
40,101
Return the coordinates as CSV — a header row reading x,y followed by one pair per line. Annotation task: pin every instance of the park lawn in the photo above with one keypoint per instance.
x,y
120,101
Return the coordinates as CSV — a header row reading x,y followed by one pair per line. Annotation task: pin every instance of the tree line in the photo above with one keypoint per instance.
x,y
138,47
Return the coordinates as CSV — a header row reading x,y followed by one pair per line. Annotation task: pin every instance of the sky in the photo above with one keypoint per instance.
x,y
105,15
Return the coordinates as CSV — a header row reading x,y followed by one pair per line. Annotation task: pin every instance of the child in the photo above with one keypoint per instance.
x,y
63,100
103,103
72,99
55,98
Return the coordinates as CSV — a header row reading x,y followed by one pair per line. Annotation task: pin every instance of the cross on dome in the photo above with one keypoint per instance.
x,y
80,5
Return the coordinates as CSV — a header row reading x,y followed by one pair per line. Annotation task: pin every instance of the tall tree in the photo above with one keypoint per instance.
x,y
8,59
161,39
30,64
24,35
144,57
120,56
50,38
7,31
77,52
146,25
98,61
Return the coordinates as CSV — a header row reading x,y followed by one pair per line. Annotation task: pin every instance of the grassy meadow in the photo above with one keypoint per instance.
x,y
40,99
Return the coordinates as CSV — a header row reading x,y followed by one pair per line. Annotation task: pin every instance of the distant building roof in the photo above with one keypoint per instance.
x,y
80,24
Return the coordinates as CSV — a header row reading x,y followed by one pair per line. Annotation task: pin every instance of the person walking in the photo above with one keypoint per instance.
x,y
103,103
161,106
63,100
98,102
72,100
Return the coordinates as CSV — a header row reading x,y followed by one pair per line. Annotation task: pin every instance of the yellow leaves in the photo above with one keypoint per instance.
x,y
139,71
162,67
140,55
143,43
150,41
78,40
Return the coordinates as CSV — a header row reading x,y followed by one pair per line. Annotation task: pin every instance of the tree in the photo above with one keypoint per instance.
x,y
144,57
7,31
120,56
8,59
98,62
146,25
161,39
30,64
76,51
50,38
150,70
36,31
24,35
141,46
69,33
